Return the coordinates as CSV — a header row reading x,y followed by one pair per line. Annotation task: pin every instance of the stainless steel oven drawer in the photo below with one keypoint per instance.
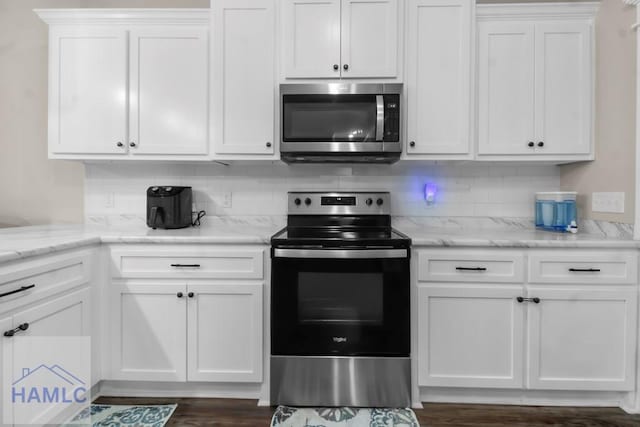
x,y
341,381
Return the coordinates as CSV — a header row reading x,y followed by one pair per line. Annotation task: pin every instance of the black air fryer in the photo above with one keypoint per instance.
x,y
169,207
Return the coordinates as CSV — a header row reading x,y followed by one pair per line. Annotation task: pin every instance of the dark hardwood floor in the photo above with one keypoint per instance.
x,y
233,412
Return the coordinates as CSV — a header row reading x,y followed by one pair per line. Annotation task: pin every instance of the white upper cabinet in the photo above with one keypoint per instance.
x,y
168,91
506,88
88,91
244,92
128,84
535,83
438,85
340,38
311,38
563,87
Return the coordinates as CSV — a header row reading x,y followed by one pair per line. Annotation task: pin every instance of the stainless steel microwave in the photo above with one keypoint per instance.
x,y
340,122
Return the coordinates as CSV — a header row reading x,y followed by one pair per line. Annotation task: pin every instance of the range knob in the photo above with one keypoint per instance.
x,y
307,201
369,201
168,189
155,189
379,202
297,201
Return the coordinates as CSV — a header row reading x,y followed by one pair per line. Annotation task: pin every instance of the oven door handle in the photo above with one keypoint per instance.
x,y
341,253
379,117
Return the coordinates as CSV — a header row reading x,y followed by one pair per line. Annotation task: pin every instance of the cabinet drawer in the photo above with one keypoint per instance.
x,y
463,266
215,264
38,278
583,268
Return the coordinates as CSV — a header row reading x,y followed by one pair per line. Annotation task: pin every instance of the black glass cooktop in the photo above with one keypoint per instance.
x,y
339,236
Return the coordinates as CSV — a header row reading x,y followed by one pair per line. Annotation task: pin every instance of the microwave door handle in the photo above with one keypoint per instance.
x,y
379,117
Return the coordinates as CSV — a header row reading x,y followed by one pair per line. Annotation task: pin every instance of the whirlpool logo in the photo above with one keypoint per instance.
x,y
339,339
48,384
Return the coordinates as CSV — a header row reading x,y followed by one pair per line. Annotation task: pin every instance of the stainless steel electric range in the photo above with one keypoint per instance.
x,y
340,317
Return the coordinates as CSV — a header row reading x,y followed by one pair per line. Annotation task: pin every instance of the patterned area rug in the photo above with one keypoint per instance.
x,y
124,416
343,417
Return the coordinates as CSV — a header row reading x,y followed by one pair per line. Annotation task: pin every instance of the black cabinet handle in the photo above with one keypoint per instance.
x,y
531,144
22,289
346,67
540,144
268,144
336,67
185,265
412,144
119,144
20,328
179,294
190,294
584,270
132,144
471,268
535,300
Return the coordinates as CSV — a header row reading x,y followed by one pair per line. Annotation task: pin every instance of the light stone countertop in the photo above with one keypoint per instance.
x,y
22,242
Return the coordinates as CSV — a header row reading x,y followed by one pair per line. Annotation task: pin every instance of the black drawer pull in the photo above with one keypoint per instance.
x,y
22,289
471,268
20,328
584,270
186,265
521,299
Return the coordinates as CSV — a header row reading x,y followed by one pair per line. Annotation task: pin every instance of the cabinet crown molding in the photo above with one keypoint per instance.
x,y
176,16
554,11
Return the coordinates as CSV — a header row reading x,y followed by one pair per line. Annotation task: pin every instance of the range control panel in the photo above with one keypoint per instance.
x,y
339,203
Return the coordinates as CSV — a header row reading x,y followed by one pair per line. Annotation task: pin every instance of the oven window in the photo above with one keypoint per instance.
x,y
340,298
329,118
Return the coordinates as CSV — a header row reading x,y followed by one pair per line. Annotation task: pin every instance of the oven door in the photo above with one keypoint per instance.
x,y
340,302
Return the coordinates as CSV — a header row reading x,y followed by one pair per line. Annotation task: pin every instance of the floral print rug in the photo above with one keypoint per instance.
x,y
123,416
286,416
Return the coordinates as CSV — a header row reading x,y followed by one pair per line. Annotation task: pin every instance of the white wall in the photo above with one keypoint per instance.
x,y
465,189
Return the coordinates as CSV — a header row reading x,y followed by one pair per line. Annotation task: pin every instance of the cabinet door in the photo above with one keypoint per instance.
x,y
563,88
244,76
6,367
582,339
439,97
311,38
169,91
148,332
505,88
87,91
369,38
470,336
225,332
67,316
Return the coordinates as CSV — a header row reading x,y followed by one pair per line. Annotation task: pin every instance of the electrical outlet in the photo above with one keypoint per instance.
x,y
612,202
109,200
226,200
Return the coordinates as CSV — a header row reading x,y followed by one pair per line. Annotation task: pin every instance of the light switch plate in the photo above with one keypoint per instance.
x,y
611,202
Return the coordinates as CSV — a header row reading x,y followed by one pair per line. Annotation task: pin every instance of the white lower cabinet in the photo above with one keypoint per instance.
x,y
6,323
224,332
186,332
577,333
470,336
67,315
582,339
149,332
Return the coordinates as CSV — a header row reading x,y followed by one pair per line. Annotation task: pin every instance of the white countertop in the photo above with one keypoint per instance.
x,y
512,239
21,242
